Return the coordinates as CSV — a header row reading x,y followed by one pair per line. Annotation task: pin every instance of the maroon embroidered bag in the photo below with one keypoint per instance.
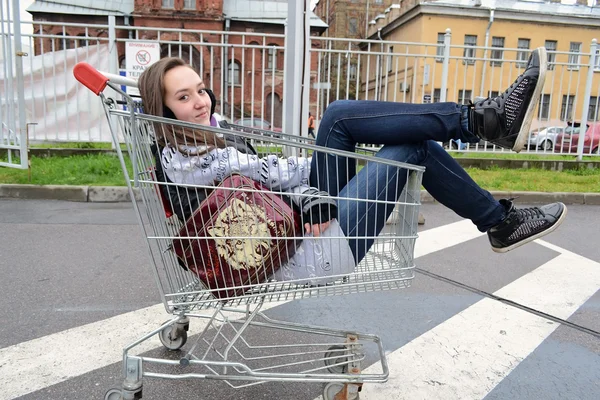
x,y
237,237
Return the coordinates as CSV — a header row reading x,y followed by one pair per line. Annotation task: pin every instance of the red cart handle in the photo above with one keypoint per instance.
x,y
90,77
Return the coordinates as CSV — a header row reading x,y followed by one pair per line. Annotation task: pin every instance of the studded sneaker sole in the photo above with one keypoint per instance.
x,y
535,99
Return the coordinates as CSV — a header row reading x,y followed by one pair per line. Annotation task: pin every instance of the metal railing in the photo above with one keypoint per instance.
x,y
246,73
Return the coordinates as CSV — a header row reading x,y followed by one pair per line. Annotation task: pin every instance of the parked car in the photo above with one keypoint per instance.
x,y
256,123
456,145
545,138
567,142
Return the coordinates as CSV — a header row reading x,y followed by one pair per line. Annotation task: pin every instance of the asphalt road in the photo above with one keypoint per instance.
x,y
76,283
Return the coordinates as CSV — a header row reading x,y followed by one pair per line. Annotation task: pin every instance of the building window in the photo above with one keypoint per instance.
x,y
168,3
189,4
272,57
378,1
464,96
352,71
593,110
437,93
551,47
523,53
566,109
81,41
390,58
597,66
65,44
353,26
544,110
234,73
470,43
497,55
574,57
440,50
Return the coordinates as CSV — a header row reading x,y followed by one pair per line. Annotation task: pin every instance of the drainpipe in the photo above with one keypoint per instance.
x,y
487,39
380,73
128,23
225,92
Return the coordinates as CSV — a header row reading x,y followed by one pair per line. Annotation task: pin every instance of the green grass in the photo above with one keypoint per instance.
x,y
522,156
74,145
537,180
97,170
105,170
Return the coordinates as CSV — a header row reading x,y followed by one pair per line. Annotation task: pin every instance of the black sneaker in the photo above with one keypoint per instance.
x,y
525,225
505,120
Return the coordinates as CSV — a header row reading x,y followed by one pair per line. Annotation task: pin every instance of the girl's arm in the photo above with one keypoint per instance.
x,y
273,172
287,174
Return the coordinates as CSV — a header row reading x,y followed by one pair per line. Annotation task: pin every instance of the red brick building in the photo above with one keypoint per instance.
x,y
350,18
178,23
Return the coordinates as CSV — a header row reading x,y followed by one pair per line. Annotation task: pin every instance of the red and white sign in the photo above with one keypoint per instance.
x,y
138,57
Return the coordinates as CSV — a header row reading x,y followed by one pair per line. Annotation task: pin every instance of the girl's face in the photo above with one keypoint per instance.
x,y
185,95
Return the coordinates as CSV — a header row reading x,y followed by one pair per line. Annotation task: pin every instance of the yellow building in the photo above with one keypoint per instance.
x,y
489,42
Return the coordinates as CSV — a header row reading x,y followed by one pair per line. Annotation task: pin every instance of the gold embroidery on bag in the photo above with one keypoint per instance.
x,y
235,231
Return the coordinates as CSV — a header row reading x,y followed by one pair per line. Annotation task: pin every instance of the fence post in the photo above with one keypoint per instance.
x,y
294,74
586,100
445,65
22,127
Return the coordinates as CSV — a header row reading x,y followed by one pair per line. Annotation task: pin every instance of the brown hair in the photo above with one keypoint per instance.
x,y
152,89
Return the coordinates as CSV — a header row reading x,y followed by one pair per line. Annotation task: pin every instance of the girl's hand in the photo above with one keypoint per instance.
x,y
316,229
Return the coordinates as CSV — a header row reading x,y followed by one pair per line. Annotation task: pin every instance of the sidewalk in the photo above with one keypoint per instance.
x,y
106,194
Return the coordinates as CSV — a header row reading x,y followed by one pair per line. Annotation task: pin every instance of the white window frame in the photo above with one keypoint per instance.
x,y
574,59
440,49
497,53
523,53
234,72
551,56
469,53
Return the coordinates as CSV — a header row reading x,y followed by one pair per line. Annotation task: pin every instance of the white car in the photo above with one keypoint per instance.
x,y
545,138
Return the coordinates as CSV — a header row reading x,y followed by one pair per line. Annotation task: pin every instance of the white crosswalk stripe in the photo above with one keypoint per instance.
x,y
470,353
492,338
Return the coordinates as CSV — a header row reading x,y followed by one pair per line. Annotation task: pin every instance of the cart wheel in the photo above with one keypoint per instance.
x,y
113,394
169,342
338,391
334,357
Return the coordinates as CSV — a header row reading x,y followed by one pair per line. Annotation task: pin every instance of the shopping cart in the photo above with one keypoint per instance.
x,y
228,347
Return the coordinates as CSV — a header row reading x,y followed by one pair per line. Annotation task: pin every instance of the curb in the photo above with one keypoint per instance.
x,y
92,194
115,194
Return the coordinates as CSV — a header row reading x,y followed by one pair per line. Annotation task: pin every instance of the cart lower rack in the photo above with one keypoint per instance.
x,y
224,288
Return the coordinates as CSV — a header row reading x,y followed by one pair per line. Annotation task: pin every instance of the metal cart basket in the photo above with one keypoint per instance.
x,y
223,350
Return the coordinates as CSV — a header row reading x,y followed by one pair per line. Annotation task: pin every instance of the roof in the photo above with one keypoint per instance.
x,y
526,6
83,7
265,12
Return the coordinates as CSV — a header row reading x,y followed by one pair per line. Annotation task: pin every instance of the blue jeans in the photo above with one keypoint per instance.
x,y
408,133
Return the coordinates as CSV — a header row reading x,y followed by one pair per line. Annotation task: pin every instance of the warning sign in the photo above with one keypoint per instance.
x,y
138,57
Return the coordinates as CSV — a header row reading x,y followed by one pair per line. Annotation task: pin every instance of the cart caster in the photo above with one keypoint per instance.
x,y
173,337
335,356
118,394
341,391
113,394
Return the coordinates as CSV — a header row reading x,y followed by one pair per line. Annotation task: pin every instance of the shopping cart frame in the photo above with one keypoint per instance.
x,y
341,369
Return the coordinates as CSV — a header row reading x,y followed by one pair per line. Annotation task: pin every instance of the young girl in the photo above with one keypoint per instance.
x,y
408,133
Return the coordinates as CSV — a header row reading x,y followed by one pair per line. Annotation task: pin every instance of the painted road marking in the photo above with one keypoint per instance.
x,y
39,363
466,356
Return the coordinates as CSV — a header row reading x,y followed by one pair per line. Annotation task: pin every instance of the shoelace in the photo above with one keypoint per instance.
x,y
501,97
529,213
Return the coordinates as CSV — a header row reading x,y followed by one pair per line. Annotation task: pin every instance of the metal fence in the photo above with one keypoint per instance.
x,y
246,71
13,130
